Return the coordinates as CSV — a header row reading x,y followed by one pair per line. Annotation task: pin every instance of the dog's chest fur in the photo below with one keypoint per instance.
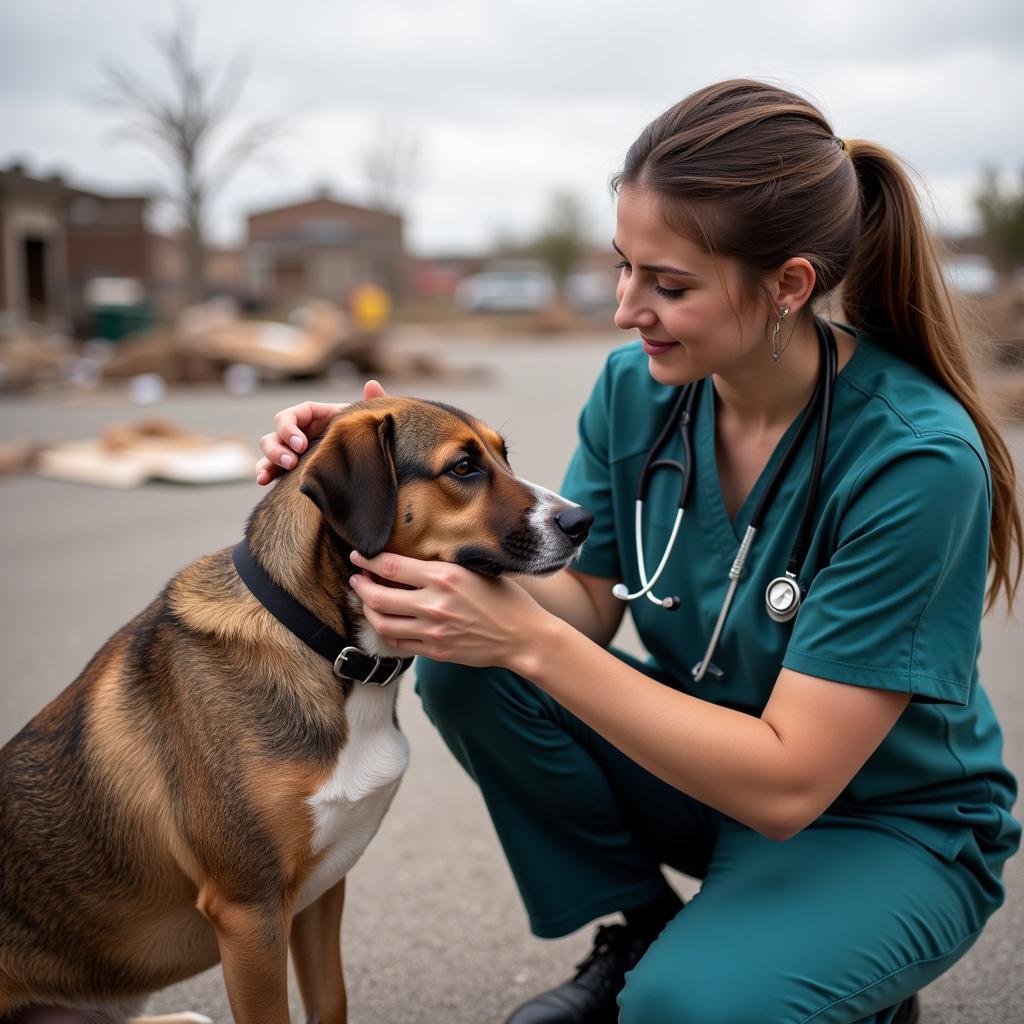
x,y
349,806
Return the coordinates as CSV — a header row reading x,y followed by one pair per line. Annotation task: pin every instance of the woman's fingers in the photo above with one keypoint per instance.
x,y
265,471
299,424
295,427
396,601
412,571
276,459
277,453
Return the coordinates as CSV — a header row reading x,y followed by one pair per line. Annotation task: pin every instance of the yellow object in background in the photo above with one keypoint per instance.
x,y
370,307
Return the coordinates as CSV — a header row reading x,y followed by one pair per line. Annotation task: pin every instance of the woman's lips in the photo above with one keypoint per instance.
x,y
656,348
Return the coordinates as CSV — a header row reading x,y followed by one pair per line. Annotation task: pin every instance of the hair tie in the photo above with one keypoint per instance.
x,y
840,142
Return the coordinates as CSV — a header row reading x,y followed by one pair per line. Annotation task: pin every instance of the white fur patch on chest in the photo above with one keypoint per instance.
x,y
370,642
349,807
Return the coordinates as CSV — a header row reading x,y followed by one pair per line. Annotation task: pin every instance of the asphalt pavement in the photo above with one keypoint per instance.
x,y
433,928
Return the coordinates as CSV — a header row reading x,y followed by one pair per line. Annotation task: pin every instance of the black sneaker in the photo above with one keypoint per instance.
x,y
589,996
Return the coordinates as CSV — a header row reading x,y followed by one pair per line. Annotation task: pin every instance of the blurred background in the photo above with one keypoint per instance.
x,y
210,213
348,169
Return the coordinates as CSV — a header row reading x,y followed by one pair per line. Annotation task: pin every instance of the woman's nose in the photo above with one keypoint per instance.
x,y
632,313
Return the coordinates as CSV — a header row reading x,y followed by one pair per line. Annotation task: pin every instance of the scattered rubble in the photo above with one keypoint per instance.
x,y
212,343
31,356
129,454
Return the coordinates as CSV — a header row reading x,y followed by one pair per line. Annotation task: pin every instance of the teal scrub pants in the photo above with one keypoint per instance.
x,y
838,924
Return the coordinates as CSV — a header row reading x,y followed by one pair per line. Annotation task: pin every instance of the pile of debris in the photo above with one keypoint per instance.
x,y
128,455
208,339
32,355
211,343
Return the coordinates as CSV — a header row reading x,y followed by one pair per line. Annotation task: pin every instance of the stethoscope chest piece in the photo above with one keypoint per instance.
x,y
784,594
782,598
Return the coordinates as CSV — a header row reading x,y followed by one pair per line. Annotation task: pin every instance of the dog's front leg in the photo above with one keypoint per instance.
x,y
316,951
253,942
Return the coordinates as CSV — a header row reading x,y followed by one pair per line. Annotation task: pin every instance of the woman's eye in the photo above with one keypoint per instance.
x,y
463,468
622,265
669,293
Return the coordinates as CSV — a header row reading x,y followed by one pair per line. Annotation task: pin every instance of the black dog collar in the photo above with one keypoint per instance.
x,y
349,662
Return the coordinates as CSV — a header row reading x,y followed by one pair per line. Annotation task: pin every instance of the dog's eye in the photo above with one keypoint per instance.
x,y
463,468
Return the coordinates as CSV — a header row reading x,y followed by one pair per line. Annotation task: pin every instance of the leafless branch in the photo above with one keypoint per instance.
x,y
183,124
391,167
255,139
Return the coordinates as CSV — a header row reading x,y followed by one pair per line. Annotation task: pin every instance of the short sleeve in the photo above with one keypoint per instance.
x,y
588,481
899,604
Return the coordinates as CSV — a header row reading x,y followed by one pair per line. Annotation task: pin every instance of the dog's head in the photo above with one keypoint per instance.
x,y
429,481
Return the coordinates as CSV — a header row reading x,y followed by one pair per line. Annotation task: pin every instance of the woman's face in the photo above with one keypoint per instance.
x,y
688,307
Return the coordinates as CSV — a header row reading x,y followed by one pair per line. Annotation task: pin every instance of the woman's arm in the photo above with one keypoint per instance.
x,y
775,773
585,602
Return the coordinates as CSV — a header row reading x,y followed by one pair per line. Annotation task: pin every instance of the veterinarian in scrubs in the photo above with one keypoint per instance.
x,y
835,780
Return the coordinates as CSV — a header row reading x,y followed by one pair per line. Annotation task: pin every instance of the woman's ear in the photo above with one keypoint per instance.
x,y
351,478
793,283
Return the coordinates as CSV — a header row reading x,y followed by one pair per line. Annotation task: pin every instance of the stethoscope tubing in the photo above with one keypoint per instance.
x,y
682,415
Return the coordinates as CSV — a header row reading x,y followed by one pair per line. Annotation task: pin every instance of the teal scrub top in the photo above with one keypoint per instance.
x,y
897,567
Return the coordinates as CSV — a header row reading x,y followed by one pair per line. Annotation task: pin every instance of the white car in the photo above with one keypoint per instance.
x,y
506,291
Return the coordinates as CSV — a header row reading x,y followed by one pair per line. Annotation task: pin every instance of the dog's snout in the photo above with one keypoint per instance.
x,y
575,523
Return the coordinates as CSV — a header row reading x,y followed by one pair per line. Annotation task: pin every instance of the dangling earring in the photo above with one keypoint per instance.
x,y
776,349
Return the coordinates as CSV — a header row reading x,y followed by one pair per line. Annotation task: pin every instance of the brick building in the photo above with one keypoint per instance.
x,y
33,247
321,248
54,239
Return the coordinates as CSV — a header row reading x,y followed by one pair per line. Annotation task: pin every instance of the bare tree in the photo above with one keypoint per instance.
x,y
185,128
391,164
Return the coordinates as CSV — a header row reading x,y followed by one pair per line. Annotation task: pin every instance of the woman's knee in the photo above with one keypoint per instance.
x,y
651,995
664,990
456,694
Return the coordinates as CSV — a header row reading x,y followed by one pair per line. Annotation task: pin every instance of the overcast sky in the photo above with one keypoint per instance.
x,y
513,99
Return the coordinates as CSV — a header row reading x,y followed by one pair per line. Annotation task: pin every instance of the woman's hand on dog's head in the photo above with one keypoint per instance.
x,y
294,428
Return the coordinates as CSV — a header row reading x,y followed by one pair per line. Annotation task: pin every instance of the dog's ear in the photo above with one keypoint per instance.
x,y
351,479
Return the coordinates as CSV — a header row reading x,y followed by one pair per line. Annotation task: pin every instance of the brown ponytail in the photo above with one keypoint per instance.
x,y
896,292
755,173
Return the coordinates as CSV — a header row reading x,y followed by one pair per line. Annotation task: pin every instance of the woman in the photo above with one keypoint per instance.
x,y
836,780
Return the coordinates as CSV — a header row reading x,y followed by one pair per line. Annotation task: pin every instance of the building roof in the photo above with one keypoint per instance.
x,y
323,200
14,181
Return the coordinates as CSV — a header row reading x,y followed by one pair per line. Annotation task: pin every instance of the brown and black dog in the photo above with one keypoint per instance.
x,y
200,791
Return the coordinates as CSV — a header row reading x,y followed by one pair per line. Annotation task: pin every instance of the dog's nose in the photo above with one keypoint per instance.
x,y
575,523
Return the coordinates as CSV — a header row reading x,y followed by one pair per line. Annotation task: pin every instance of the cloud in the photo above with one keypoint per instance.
x,y
512,100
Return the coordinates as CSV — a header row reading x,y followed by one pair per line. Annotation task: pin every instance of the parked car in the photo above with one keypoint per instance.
x,y
511,290
591,291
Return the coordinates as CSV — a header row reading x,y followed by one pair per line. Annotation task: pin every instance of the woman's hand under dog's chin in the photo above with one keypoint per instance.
x,y
452,614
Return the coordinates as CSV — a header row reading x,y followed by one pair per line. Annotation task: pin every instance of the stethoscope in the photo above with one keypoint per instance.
x,y
783,595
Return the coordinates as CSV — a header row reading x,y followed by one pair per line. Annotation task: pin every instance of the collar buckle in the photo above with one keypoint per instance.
x,y
341,660
365,672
